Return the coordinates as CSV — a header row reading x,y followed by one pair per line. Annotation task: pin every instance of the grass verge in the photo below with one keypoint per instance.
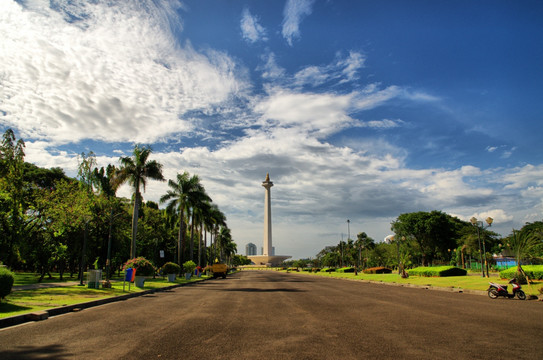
x,y
455,282
26,301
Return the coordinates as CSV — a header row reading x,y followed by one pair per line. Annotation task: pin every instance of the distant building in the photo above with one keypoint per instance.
x,y
250,249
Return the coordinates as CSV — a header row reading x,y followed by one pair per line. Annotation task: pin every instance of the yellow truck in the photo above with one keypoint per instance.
x,y
219,269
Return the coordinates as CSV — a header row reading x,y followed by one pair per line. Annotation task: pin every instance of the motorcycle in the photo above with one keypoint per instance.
x,y
497,290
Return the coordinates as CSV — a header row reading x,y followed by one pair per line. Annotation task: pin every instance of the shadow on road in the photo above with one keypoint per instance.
x,y
264,290
54,351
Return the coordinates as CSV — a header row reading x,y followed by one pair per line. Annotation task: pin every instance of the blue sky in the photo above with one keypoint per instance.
x,y
359,110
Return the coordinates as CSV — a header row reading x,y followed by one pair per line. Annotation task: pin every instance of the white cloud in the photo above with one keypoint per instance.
x,y
84,79
381,124
294,12
491,149
251,30
523,177
270,69
343,70
321,113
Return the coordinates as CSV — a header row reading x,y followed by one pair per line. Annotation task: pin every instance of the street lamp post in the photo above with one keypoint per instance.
x,y
478,224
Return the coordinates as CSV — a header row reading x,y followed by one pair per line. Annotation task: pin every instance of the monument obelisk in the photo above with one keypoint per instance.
x,y
267,244
268,258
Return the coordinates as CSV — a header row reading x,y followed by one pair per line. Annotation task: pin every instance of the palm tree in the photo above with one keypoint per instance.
x,y
224,240
106,183
179,197
197,200
137,170
217,220
202,216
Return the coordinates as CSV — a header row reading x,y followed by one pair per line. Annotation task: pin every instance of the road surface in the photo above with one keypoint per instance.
x,y
273,315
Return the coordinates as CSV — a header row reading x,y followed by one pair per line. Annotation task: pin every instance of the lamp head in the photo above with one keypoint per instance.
x,y
489,220
473,220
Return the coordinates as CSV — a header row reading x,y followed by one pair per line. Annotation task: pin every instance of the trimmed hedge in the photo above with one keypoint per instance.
x,y
345,270
6,282
438,271
328,270
534,272
377,270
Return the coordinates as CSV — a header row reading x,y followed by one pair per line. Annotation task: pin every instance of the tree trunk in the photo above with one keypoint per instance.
x,y
180,239
135,225
191,245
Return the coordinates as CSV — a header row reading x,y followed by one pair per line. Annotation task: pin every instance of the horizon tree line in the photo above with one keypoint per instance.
x,y
432,238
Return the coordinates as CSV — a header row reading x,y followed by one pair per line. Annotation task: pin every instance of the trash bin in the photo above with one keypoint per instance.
x,y
94,278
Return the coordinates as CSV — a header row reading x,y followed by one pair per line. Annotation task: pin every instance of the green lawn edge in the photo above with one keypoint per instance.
x,y
21,302
467,282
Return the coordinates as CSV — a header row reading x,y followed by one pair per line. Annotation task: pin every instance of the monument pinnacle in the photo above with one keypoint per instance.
x,y
267,243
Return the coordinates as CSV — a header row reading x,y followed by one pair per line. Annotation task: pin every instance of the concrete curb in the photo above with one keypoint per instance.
x,y
44,314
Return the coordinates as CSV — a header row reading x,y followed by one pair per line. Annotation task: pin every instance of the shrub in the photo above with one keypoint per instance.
x,y
534,272
189,266
316,270
345,270
170,268
6,282
438,271
377,270
328,270
142,265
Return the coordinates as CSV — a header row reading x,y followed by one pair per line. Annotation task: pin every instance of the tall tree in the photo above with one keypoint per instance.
x,y
217,220
178,197
198,200
11,194
104,180
137,170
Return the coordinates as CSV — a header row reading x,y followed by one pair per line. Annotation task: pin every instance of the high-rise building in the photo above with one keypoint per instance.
x,y
250,249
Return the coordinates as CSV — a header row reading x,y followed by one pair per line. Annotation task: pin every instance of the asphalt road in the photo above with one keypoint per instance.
x,y
272,315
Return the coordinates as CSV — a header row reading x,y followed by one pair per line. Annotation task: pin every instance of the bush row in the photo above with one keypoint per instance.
x,y
439,271
345,270
377,270
534,272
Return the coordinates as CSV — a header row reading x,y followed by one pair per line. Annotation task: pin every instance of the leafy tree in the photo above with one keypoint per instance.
x,y
240,260
435,232
137,170
12,196
62,214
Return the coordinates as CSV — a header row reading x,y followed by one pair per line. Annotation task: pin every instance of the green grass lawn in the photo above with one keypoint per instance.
x,y
27,278
25,301
459,282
